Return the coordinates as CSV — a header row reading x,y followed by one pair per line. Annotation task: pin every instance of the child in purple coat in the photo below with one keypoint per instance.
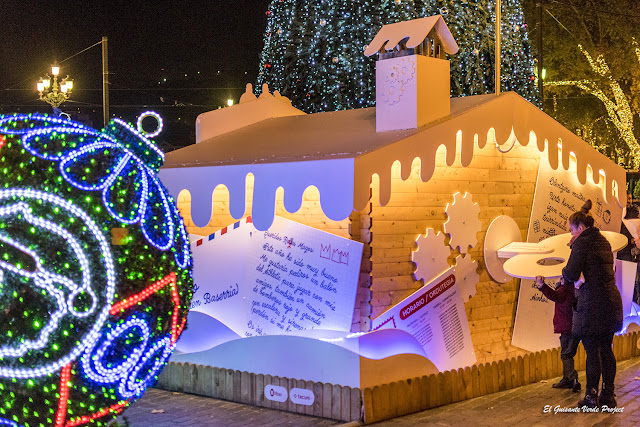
x,y
563,296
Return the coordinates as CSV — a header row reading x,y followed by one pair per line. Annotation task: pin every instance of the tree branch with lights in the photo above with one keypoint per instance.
x,y
616,103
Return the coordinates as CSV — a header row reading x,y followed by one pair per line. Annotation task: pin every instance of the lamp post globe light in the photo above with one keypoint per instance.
x,y
52,92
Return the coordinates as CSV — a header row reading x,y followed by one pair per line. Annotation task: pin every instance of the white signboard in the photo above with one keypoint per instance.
x,y
626,280
435,316
275,393
302,396
289,278
558,195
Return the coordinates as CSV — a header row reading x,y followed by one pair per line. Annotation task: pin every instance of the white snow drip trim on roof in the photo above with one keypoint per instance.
x,y
333,178
417,30
344,185
493,121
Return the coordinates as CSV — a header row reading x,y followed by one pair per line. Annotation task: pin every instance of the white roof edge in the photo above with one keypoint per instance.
x,y
417,30
224,120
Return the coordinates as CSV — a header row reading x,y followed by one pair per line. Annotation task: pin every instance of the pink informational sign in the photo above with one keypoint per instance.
x,y
436,318
286,279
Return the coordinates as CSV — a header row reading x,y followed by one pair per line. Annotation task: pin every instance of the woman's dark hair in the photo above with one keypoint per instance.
x,y
582,217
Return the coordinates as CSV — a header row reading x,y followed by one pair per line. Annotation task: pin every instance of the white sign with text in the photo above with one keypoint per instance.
x,y
436,317
558,195
275,393
302,396
288,278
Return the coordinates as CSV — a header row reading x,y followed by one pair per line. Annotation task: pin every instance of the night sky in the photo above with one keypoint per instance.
x,y
179,58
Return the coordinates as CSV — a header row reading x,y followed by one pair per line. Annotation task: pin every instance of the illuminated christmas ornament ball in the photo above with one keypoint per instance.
x,y
95,270
154,115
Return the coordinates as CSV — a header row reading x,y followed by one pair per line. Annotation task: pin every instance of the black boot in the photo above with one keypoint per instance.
x,y
576,386
564,383
607,397
590,399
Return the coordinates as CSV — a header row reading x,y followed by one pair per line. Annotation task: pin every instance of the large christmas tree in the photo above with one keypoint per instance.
x,y
314,50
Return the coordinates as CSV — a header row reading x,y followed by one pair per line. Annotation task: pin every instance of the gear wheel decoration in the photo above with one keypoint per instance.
x,y
431,256
89,318
462,223
466,276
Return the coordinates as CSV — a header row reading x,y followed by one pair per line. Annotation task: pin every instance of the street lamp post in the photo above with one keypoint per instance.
x,y
52,92
498,49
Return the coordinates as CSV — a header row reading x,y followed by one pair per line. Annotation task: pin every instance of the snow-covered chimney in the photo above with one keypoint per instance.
x,y
412,76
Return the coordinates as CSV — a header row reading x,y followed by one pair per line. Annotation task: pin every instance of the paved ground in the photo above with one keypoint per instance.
x,y
521,406
159,408
525,406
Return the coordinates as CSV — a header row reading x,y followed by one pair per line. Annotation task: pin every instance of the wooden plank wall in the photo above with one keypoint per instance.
x,y
310,213
502,184
336,402
361,231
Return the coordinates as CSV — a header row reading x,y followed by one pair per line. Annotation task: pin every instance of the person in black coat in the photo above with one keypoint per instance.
x,y
598,311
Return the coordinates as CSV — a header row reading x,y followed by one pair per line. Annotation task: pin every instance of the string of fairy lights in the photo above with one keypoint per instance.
x,y
314,50
617,106
88,323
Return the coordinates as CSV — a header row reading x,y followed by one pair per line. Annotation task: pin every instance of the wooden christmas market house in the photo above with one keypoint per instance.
x,y
418,180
